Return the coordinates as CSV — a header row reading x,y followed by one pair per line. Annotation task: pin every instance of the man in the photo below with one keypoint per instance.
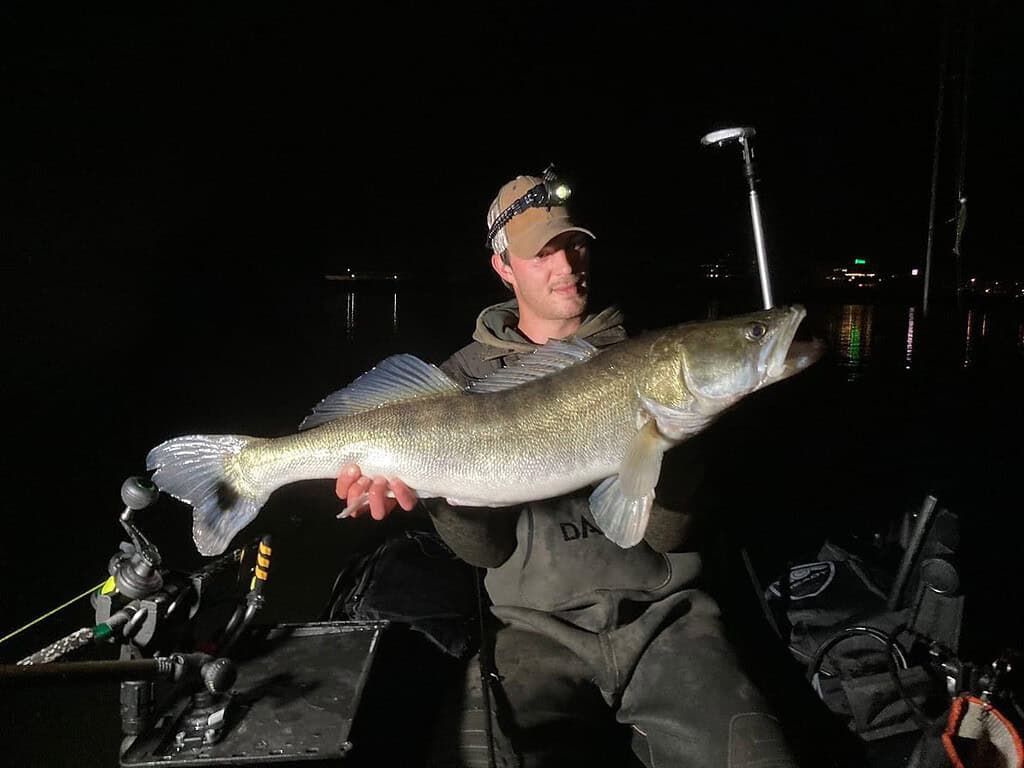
x,y
587,629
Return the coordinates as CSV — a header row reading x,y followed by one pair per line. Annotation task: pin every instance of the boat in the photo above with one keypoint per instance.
x,y
371,277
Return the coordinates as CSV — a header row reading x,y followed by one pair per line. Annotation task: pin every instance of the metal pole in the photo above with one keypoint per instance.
x,y
762,257
924,519
961,181
935,169
743,136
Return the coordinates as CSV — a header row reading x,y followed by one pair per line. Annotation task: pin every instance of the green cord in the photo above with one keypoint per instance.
x,y
87,592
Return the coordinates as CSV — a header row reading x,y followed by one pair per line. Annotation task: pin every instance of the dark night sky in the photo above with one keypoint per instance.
x,y
169,170
173,142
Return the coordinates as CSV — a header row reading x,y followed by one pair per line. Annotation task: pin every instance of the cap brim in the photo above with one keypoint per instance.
x,y
530,242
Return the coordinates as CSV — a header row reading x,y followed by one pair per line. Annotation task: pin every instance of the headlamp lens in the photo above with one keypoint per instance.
x,y
561,192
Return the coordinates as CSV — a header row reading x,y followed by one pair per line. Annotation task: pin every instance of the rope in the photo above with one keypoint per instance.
x,y
47,615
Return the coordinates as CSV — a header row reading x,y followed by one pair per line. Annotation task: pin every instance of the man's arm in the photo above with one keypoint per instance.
x,y
678,500
482,536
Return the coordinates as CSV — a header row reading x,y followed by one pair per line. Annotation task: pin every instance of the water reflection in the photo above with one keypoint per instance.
x,y
852,337
968,338
975,330
350,315
897,337
366,308
908,358
865,339
712,309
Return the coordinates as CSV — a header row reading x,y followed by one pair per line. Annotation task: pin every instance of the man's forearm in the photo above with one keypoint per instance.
x,y
481,536
676,509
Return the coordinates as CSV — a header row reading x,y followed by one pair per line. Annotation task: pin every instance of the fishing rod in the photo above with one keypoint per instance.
x,y
149,610
191,693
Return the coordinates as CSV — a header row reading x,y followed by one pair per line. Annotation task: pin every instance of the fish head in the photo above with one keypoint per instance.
x,y
722,361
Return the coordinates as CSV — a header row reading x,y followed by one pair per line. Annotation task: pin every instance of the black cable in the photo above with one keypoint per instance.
x,y
895,656
896,653
920,718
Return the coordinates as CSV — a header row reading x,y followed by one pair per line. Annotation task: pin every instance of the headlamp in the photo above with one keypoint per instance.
x,y
549,193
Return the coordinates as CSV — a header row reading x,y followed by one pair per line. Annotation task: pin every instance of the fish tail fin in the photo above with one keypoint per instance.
x,y
203,471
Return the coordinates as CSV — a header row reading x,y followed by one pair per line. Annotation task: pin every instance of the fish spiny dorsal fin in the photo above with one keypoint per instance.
x,y
394,379
550,358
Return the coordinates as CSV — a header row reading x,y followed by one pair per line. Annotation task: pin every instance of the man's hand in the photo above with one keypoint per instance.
x,y
379,494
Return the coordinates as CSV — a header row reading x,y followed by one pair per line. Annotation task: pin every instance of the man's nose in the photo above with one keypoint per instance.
x,y
569,261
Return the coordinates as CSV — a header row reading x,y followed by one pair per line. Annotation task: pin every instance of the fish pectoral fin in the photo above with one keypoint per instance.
x,y
674,423
621,505
623,519
394,379
641,465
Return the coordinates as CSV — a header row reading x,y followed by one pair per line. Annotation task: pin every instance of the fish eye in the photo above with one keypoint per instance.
x,y
756,331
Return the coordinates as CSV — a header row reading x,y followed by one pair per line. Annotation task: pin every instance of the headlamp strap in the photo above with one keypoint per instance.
x,y
538,196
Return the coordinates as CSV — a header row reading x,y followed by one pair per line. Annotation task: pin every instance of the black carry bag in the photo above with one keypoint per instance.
x,y
413,578
879,642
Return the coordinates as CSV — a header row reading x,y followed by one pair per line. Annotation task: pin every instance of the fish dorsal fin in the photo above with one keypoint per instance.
x,y
394,379
543,361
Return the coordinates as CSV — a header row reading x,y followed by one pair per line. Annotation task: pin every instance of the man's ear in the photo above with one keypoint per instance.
x,y
504,270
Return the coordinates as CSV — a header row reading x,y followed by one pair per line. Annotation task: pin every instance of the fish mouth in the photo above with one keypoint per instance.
x,y
785,357
789,357
801,355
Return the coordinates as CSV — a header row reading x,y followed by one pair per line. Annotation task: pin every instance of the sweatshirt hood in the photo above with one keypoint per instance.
x,y
497,327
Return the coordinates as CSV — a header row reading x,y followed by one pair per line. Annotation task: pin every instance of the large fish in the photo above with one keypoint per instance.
x,y
565,417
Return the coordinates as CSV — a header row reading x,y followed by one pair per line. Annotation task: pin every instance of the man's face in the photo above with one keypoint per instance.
x,y
553,283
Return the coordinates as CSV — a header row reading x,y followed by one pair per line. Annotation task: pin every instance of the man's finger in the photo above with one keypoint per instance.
x,y
380,505
406,496
355,491
349,474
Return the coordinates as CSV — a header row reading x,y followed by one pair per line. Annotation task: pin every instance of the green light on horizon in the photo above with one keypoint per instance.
x,y
860,261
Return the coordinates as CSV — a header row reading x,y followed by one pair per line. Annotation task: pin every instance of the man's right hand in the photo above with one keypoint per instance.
x,y
379,495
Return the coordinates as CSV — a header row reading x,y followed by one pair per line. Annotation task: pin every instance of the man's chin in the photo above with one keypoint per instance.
x,y
573,306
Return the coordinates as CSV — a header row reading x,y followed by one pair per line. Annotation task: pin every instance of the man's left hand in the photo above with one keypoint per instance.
x,y
379,495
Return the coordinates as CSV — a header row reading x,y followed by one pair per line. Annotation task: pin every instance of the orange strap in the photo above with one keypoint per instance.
x,y
961,705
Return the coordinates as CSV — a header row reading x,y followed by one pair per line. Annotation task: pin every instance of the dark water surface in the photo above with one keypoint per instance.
x,y
899,408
